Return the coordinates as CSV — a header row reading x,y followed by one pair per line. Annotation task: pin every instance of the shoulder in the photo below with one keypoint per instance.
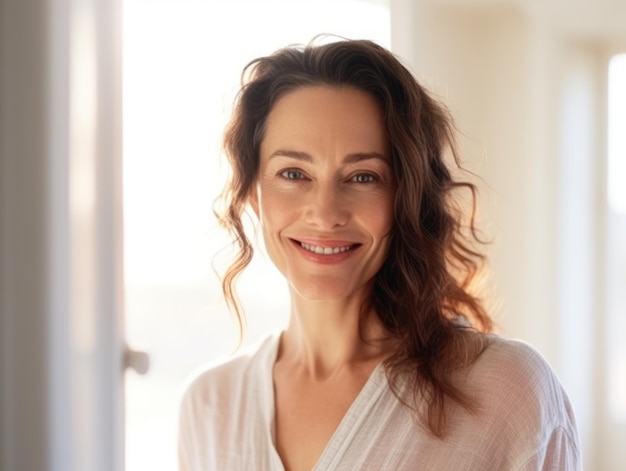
x,y
223,377
521,400
516,367
511,373
513,360
222,400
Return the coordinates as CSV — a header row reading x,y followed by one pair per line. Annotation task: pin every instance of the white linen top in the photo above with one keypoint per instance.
x,y
524,420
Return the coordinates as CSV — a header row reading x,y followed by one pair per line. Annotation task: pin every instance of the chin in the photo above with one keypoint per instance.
x,y
324,290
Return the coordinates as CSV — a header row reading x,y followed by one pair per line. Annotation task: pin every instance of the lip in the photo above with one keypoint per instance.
x,y
326,258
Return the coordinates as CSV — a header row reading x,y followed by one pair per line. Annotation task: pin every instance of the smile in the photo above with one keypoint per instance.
x,y
325,250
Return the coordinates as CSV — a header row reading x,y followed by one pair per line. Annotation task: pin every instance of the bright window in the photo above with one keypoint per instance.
x,y
616,260
182,62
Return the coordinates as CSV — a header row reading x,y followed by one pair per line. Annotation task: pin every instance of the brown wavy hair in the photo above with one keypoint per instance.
x,y
424,292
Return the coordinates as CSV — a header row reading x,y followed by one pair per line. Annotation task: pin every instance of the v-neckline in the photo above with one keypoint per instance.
x,y
370,391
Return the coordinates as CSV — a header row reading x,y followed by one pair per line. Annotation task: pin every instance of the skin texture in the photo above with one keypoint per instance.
x,y
324,180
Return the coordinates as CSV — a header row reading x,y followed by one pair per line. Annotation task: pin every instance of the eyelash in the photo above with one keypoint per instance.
x,y
293,174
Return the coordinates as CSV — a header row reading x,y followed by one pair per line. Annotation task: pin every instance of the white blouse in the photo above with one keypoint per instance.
x,y
524,420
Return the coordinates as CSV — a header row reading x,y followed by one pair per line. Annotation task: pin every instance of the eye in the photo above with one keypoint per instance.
x,y
291,174
364,178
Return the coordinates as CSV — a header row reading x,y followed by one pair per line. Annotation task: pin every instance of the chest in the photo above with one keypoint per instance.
x,y
307,414
367,430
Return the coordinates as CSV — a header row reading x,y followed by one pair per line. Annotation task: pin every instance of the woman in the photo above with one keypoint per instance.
x,y
387,362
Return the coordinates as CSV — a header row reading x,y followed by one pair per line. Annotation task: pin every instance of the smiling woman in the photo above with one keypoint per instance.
x,y
387,361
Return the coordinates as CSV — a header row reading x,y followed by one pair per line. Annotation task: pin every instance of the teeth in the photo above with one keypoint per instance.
x,y
324,250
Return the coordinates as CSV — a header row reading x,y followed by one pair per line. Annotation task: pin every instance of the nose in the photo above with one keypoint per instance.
x,y
326,208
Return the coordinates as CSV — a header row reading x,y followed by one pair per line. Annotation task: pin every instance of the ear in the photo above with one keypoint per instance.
x,y
253,199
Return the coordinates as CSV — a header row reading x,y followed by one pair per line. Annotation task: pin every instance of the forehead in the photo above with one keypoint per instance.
x,y
323,117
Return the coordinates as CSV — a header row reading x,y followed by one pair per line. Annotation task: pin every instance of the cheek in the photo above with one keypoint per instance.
x,y
382,218
382,225
275,212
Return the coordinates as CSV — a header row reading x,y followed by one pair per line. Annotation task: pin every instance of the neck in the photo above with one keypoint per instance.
x,y
325,336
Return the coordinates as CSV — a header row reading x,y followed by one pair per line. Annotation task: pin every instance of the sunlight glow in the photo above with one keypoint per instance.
x,y
616,247
182,62
617,134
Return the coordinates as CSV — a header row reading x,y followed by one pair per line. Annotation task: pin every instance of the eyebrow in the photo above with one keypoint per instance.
x,y
350,158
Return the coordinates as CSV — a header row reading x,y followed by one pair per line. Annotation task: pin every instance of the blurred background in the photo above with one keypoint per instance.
x,y
110,123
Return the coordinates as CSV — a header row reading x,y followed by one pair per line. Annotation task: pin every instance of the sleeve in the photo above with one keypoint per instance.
x,y
559,453
532,415
185,434
192,428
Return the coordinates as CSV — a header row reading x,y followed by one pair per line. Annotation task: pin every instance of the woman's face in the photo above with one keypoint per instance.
x,y
325,191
